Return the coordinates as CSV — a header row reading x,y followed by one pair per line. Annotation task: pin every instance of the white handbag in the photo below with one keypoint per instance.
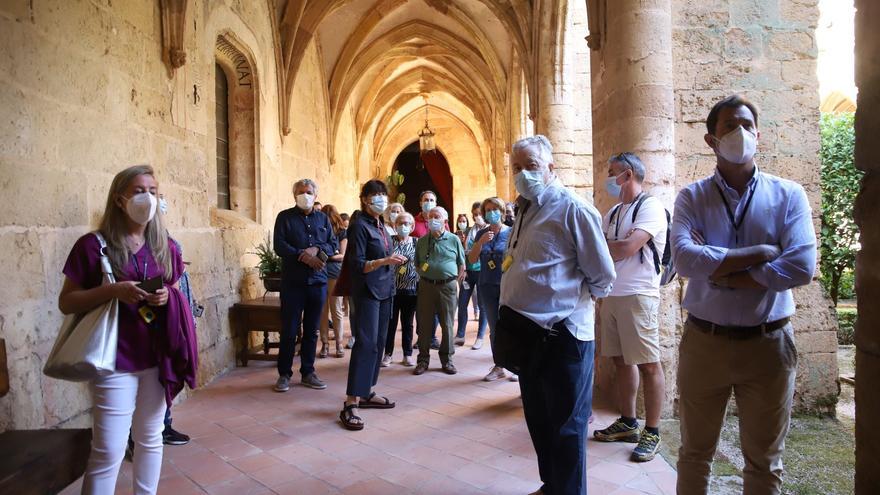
x,y
86,345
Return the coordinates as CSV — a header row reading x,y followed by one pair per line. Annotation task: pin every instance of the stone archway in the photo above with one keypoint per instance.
x,y
423,172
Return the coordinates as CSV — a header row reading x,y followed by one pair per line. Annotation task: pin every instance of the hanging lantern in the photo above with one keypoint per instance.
x,y
426,137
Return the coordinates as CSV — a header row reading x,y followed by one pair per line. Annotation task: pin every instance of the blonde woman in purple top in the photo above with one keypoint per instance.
x,y
150,354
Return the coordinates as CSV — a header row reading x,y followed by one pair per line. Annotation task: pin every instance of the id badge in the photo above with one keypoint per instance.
x,y
491,264
425,266
147,314
505,265
402,270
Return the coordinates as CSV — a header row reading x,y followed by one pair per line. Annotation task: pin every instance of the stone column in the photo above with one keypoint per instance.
x,y
633,110
563,84
867,337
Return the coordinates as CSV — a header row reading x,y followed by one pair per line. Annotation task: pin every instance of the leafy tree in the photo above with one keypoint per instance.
x,y
840,184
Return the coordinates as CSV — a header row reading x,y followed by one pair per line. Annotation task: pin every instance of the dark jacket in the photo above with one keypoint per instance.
x,y
295,232
367,240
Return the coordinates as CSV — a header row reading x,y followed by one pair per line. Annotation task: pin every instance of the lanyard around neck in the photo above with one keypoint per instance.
x,y
730,216
519,222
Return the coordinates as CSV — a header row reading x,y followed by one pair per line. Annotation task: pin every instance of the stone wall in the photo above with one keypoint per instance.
x,y
766,51
85,94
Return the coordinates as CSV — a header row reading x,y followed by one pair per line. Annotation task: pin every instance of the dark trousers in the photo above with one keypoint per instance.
x,y
557,392
300,305
370,330
464,298
404,310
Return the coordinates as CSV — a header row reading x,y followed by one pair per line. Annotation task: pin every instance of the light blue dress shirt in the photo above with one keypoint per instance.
x,y
560,260
779,214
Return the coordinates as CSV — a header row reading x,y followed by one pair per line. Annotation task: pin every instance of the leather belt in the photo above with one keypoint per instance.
x,y
737,333
438,282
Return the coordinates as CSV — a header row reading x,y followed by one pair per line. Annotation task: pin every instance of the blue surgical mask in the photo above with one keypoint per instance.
x,y
435,225
403,230
493,217
530,184
428,206
612,187
379,204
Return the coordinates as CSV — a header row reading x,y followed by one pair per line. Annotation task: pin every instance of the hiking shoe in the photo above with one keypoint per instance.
x,y
282,384
647,448
170,436
618,432
458,341
420,368
386,361
312,381
350,343
449,369
478,344
496,373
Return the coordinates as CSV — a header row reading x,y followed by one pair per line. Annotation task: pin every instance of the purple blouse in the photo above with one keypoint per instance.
x,y
136,348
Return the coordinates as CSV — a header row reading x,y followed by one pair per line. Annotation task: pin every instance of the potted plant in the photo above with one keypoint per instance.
x,y
269,265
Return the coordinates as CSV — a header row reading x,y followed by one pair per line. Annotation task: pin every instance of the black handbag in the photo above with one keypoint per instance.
x,y
515,338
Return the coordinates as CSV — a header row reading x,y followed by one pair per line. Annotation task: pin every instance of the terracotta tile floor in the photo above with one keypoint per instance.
x,y
447,435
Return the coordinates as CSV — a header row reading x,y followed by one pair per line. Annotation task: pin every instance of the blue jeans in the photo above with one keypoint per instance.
x,y
464,297
300,305
557,394
489,296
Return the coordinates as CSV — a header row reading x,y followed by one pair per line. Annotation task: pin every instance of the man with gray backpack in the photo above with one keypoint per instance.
x,y
636,230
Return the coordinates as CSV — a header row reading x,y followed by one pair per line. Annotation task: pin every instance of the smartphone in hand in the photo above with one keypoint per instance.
x,y
151,285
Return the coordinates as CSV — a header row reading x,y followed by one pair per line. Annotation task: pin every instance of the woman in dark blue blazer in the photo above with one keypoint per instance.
x,y
371,265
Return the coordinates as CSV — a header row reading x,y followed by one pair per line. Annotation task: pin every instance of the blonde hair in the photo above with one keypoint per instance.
x,y
114,226
494,201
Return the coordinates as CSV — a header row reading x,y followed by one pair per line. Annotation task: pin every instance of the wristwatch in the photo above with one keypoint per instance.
x,y
322,256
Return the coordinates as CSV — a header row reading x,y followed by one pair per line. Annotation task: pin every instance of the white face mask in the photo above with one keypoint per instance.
x,y
462,225
435,225
141,208
428,206
404,230
163,206
305,201
737,146
393,216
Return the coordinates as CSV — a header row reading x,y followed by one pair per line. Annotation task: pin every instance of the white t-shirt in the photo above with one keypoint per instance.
x,y
637,274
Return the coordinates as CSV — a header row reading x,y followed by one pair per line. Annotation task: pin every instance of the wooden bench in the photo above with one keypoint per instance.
x,y
256,315
42,461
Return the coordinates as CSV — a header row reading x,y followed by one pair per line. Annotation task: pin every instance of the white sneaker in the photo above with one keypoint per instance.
x,y
513,378
458,341
386,361
407,361
497,373
477,344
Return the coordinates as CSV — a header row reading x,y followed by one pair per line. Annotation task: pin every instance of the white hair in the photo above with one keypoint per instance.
x,y
305,183
443,213
540,145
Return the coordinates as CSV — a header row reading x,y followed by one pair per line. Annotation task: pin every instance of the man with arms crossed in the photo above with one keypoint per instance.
x,y
744,238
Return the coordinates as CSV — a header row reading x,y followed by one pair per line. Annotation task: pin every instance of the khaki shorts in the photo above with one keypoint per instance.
x,y
630,328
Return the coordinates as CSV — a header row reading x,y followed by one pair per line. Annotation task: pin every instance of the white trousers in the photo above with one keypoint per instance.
x,y
123,402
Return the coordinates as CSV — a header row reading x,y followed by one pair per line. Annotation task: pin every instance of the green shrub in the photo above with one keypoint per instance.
x,y
840,183
846,326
